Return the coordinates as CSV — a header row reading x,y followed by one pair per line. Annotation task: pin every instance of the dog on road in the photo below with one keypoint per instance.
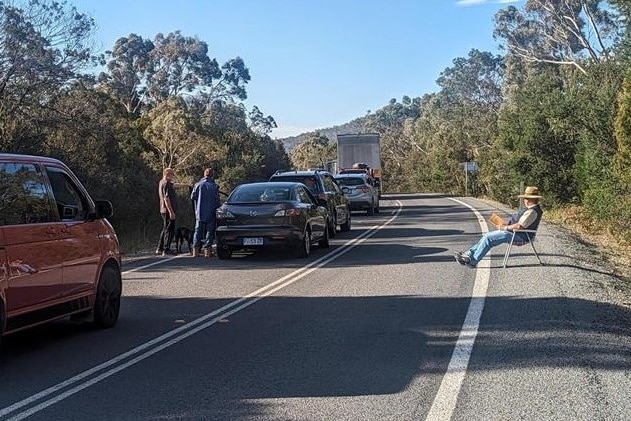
x,y
183,235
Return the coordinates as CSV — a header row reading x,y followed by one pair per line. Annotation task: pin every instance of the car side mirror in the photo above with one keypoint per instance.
x,y
104,209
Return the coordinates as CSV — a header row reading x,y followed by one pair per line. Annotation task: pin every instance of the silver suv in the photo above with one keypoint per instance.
x,y
361,191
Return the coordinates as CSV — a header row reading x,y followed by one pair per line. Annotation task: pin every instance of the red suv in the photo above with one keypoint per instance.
x,y
59,256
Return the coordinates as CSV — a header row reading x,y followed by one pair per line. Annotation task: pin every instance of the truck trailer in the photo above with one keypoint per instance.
x,y
360,151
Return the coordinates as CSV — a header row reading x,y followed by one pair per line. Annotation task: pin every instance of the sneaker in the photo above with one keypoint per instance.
x,y
462,258
167,252
159,252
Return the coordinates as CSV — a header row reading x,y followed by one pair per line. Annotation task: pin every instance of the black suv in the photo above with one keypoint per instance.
x,y
323,186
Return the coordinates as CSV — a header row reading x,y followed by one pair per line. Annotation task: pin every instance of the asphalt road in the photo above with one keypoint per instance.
x,y
383,325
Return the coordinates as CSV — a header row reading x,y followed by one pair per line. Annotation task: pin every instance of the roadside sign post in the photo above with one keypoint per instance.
x,y
469,167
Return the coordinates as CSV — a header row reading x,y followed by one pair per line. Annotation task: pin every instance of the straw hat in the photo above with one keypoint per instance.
x,y
531,192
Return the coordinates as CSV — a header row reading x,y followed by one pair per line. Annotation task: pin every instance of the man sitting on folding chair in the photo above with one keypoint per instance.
x,y
519,229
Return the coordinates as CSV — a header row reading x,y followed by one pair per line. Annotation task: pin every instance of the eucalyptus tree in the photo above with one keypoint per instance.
x,y
260,123
594,103
43,46
180,65
573,49
314,152
440,147
128,70
539,138
389,121
561,32
624,48
622,162
623,117
143,73
104,147
169,129
471,90
176,75
225,124
274,156
459,123
623,134
236,143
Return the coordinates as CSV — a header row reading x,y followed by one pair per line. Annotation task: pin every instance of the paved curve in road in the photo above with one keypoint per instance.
x,y
384,325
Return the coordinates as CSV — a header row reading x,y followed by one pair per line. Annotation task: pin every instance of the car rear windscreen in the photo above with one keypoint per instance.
x,y
350,181
310,182
249,194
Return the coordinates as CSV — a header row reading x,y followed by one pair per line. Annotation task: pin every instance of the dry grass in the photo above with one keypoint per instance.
x,y
614,251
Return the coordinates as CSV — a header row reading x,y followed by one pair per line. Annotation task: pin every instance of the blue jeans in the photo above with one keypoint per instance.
x,y
488,240
205,230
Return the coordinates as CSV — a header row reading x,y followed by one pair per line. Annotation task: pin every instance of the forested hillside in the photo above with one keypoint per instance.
x,y
356,126
553,110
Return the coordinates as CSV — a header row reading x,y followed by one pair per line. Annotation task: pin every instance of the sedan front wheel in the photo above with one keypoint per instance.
x,y
324,242
305,246
332,226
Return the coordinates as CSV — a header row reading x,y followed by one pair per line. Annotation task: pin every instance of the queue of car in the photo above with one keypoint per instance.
x,y
60,257
293,211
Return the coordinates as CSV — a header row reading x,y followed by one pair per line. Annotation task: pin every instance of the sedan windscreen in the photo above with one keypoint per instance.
x,y
249,194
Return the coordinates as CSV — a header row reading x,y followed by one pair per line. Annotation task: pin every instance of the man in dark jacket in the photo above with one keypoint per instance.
x,y
205,197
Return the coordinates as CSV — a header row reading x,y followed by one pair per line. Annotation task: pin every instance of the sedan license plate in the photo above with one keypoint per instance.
x,y
253,241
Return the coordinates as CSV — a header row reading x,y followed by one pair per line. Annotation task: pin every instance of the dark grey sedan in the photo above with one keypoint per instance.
x,y
271,215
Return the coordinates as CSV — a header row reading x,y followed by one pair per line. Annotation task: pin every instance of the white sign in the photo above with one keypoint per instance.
x,y
470,166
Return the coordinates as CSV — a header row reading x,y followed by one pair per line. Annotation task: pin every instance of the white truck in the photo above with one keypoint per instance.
x,y
360,152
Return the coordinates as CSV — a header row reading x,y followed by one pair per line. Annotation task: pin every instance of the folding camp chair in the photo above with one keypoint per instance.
x,y
516,242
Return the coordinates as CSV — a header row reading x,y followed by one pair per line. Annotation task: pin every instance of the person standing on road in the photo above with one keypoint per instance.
x,y
205,197
168,210
528,218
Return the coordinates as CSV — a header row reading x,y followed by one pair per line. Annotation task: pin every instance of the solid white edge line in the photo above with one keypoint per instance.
x,y
185,330
445,400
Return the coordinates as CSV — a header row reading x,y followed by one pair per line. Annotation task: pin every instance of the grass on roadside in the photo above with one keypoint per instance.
x,y
615,251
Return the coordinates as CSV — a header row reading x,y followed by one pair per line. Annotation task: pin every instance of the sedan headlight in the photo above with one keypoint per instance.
x,y
223,214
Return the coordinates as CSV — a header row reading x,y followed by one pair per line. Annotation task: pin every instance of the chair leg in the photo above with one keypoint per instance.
x,y
536,254
507,254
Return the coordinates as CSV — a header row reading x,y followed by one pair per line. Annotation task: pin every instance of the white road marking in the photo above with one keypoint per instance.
x,y
174,336
447,395
159,262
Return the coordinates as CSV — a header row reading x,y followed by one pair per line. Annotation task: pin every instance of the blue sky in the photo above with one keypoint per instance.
x,y
316,63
